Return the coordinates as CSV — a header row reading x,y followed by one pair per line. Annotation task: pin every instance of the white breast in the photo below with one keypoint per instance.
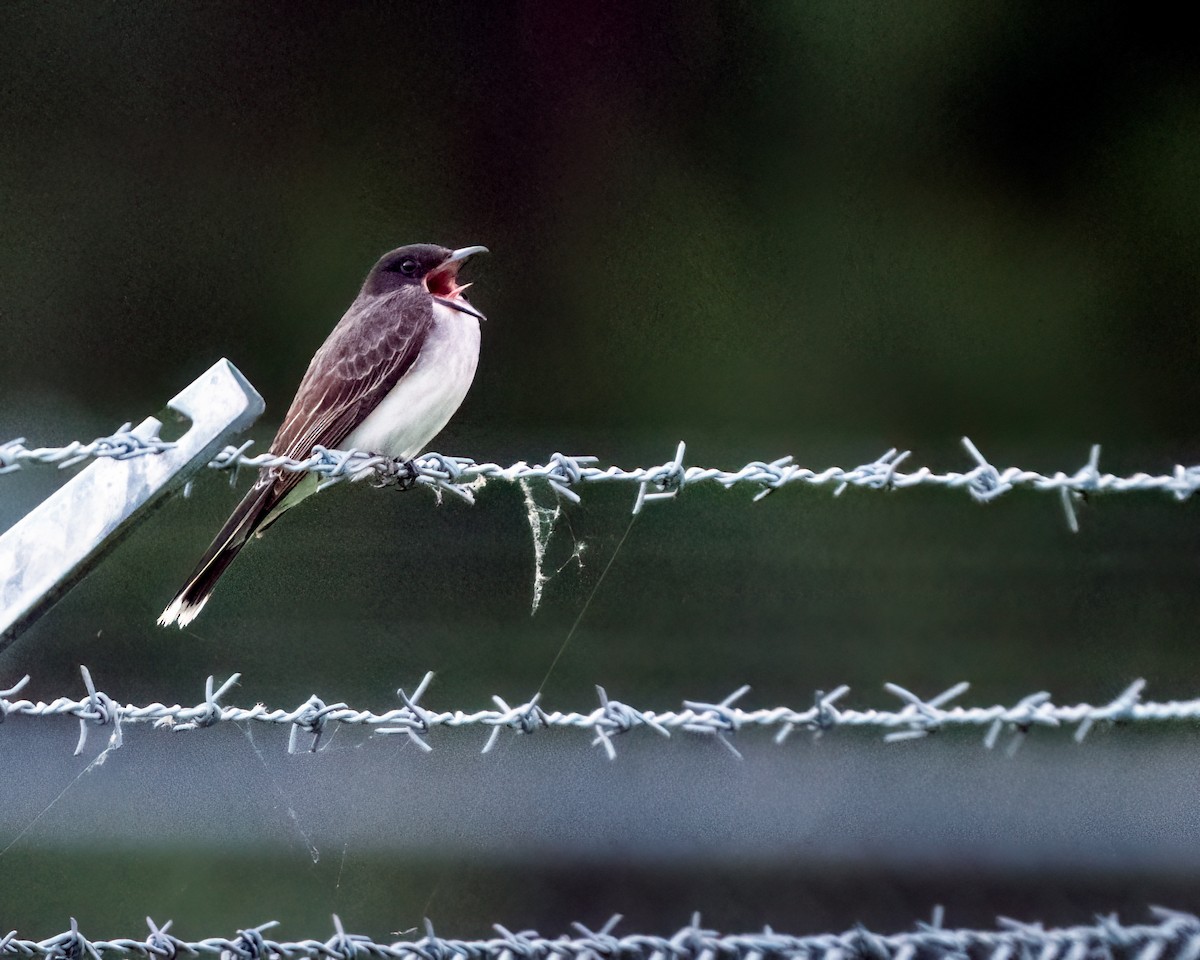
x,y
425,399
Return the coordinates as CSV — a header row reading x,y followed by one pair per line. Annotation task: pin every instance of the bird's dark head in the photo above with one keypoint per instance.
x,y
425,266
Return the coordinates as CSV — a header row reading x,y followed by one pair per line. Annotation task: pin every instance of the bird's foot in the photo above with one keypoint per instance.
x,y
399,473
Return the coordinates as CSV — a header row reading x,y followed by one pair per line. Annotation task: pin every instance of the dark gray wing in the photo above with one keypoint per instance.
x,y
370,349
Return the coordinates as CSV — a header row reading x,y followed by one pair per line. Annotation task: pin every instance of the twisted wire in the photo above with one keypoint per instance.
x,y
461,475
913,718
1174,936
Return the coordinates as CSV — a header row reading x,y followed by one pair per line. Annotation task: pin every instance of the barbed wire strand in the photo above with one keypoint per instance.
x,y
1174,936
915,718
461,475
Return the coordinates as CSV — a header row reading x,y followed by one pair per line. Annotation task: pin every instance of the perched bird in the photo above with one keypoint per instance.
x,y
388,378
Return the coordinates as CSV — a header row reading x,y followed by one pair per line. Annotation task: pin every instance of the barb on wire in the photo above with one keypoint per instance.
x,y
1172,934
123,444
460,476
914,717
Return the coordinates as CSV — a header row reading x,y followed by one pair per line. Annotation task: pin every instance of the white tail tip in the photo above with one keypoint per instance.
x,y
181,612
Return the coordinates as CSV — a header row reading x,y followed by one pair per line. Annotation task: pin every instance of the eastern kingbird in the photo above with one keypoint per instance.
x,y
388,378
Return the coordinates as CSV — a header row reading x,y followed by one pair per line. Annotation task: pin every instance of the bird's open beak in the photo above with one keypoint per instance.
x,y
442,281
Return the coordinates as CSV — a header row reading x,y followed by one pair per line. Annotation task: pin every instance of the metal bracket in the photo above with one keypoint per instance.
x,y
54,546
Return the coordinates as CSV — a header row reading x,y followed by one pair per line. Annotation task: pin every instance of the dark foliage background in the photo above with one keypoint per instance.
x,y
767,228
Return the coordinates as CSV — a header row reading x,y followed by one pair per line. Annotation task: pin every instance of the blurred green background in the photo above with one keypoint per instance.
x,y
822,229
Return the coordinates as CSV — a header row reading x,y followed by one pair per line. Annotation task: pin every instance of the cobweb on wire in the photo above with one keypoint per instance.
x,y
543,511
541,527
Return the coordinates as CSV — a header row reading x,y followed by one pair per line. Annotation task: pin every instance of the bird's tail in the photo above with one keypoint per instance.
x,y
244,520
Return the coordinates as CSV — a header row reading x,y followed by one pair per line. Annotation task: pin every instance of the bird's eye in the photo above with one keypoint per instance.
x,y
408,266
